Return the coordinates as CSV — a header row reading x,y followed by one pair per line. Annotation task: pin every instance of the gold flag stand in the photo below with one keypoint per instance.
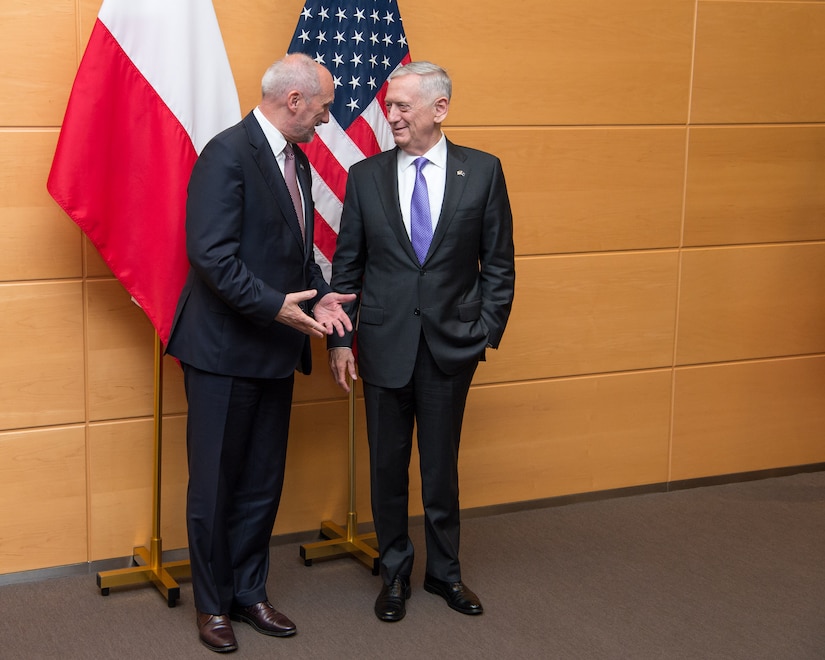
x,y
148,566
345,542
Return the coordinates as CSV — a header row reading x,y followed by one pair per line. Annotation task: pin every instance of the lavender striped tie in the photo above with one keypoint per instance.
x,y
421,225
291,178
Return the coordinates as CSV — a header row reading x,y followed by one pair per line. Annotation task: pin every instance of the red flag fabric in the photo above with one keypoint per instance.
x,y
153,86
361,42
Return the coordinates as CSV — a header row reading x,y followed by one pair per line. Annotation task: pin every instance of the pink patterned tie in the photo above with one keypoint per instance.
x,y
292,183
421,225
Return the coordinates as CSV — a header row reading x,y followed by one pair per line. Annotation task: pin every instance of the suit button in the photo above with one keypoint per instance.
x,y
417,312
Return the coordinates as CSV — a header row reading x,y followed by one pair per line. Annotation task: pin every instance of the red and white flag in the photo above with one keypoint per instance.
x,y
153,87
361,42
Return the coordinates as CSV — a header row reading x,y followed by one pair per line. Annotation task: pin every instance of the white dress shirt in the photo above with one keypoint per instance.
x,y
435,173
277,142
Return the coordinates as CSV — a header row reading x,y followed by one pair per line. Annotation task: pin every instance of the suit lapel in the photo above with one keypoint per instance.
x,y
386,180
268,165
454,187
305,181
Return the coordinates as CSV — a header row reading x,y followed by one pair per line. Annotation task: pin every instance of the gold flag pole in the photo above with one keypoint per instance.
x,y
345,542
148,564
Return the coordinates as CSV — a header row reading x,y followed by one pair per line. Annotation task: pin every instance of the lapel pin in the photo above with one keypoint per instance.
x,y
460,172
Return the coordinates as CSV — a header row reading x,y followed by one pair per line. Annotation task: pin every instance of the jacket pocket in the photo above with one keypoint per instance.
x,y
371,315
469,311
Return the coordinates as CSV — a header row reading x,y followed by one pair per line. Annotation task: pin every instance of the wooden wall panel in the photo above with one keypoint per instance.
x,y
121,480
574,62
121,358
749,416
774,193
39,242
94,266
316,485
751,302
255,34
42,498
38,48
318,386
88,10
759,62
174,482
588,104
588,314
542,439
583,190
41,330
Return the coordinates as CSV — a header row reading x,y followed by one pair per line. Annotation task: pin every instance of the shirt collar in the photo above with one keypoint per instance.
x,y
437,155
276,140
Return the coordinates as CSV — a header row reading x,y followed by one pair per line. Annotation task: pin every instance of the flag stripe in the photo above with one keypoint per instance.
x,y
325,237
178,58
327,166
363,136
327,203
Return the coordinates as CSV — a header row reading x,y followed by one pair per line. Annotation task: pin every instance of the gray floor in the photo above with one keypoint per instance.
x,y
733,571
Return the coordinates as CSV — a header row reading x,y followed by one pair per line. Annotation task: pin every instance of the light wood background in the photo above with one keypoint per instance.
x,y
666,164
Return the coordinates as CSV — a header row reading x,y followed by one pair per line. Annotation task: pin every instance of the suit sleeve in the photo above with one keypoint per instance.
x,y
349,259
497,258
214,220
315,276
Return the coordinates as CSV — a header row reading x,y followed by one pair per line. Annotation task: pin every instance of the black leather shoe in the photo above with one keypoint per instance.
x,y
390,604
215,632
457,595
265,619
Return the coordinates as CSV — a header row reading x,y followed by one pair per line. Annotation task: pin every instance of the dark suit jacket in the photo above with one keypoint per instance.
x,y
246,253
460,297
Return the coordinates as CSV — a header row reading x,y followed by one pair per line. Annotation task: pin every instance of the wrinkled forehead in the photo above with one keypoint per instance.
x,y
404,89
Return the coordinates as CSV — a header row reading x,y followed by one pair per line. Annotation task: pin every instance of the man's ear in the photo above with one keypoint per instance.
x,y
292,99
442,106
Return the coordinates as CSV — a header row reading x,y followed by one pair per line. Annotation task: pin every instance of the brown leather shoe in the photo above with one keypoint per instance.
x,y
264,618
216,634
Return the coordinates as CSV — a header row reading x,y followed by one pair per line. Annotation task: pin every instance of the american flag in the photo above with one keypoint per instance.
x,y
361,42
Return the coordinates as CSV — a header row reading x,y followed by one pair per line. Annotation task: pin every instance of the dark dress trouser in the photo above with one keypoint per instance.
x,y
435,401
236,437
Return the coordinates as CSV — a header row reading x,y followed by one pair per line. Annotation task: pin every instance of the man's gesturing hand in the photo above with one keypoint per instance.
x,y
328,312
292,315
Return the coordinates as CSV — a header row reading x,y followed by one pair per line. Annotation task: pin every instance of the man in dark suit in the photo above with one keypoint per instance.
x,y
426,242
253,298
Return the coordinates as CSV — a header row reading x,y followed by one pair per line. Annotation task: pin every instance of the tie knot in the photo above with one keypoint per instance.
x,y
288,152
420,162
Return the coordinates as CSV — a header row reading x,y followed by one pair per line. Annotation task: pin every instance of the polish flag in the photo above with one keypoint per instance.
x,y
153,87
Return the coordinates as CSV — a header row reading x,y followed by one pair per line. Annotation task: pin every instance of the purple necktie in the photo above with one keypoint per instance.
x,y
421,225
292,183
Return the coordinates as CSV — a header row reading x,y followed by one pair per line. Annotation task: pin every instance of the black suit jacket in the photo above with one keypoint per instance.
x,y
246,253
460,297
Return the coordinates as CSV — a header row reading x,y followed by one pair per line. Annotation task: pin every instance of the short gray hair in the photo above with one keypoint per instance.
x,y
435,81
294,71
